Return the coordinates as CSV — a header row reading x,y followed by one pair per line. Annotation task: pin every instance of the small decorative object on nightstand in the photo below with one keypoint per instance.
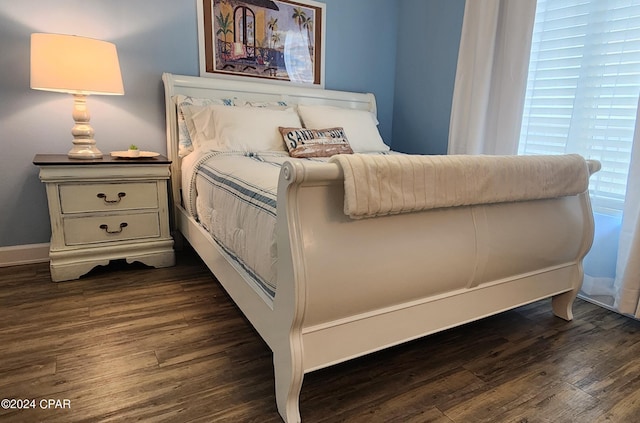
x,y
133,151
106,209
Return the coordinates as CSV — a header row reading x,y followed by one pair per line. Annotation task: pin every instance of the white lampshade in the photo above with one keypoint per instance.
x,y
72,64
80,66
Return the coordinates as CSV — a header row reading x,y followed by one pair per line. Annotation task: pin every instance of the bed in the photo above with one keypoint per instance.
x,y
347,285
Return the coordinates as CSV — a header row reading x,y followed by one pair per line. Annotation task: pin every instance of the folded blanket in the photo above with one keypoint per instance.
x,y
391,184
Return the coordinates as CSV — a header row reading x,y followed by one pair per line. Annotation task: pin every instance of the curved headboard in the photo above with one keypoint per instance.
x,y
200,87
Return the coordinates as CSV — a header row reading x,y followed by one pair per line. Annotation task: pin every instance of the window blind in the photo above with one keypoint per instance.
x,y
583,87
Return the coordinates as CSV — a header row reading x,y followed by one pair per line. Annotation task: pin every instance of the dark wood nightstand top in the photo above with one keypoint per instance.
x,y
63,159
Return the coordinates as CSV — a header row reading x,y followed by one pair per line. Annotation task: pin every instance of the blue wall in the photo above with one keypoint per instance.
x,y
403,51
428,40
361,45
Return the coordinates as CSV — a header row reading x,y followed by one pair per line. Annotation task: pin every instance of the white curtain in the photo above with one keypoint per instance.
x,y
627,281
486,118
491,77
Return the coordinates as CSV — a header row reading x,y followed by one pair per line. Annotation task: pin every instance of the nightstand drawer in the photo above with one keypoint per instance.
x,y
93,229
81,198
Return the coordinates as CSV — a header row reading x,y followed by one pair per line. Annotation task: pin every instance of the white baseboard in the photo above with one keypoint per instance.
x,y
24,254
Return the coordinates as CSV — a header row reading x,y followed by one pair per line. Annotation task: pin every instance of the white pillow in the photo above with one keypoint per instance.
x,y
360,126
185,144
199,123
249,129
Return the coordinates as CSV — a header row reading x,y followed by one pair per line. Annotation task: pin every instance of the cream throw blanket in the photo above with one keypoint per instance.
x,y
378,185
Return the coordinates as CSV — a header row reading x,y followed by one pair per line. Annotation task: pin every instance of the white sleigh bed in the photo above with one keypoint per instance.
x,y
347,287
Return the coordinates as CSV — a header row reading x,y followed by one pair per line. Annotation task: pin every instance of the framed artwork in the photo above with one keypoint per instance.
x,y
277,40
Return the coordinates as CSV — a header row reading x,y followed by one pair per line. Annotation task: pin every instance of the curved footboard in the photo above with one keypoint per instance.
x,y
351,287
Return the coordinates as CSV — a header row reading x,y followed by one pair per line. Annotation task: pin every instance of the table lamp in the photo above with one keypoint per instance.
x,y
79,66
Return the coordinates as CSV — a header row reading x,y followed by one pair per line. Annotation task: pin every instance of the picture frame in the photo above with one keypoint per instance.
x,y
281,41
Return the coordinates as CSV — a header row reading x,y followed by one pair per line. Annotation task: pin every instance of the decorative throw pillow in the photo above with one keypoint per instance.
x,y
303,142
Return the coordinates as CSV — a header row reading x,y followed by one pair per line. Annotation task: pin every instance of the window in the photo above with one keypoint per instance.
x,y
583,87
244,33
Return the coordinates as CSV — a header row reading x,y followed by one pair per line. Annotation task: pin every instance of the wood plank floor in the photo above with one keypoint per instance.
x,y
130,343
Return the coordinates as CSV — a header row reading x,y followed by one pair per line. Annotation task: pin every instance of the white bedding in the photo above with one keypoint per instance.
x,y
233,196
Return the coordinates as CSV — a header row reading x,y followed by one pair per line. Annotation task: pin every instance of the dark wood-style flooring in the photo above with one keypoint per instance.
x,y
130,343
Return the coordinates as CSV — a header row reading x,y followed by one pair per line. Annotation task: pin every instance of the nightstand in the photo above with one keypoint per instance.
x,y
106,209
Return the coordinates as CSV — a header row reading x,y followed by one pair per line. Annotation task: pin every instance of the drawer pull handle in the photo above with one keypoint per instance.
x,y
104,197
106,228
